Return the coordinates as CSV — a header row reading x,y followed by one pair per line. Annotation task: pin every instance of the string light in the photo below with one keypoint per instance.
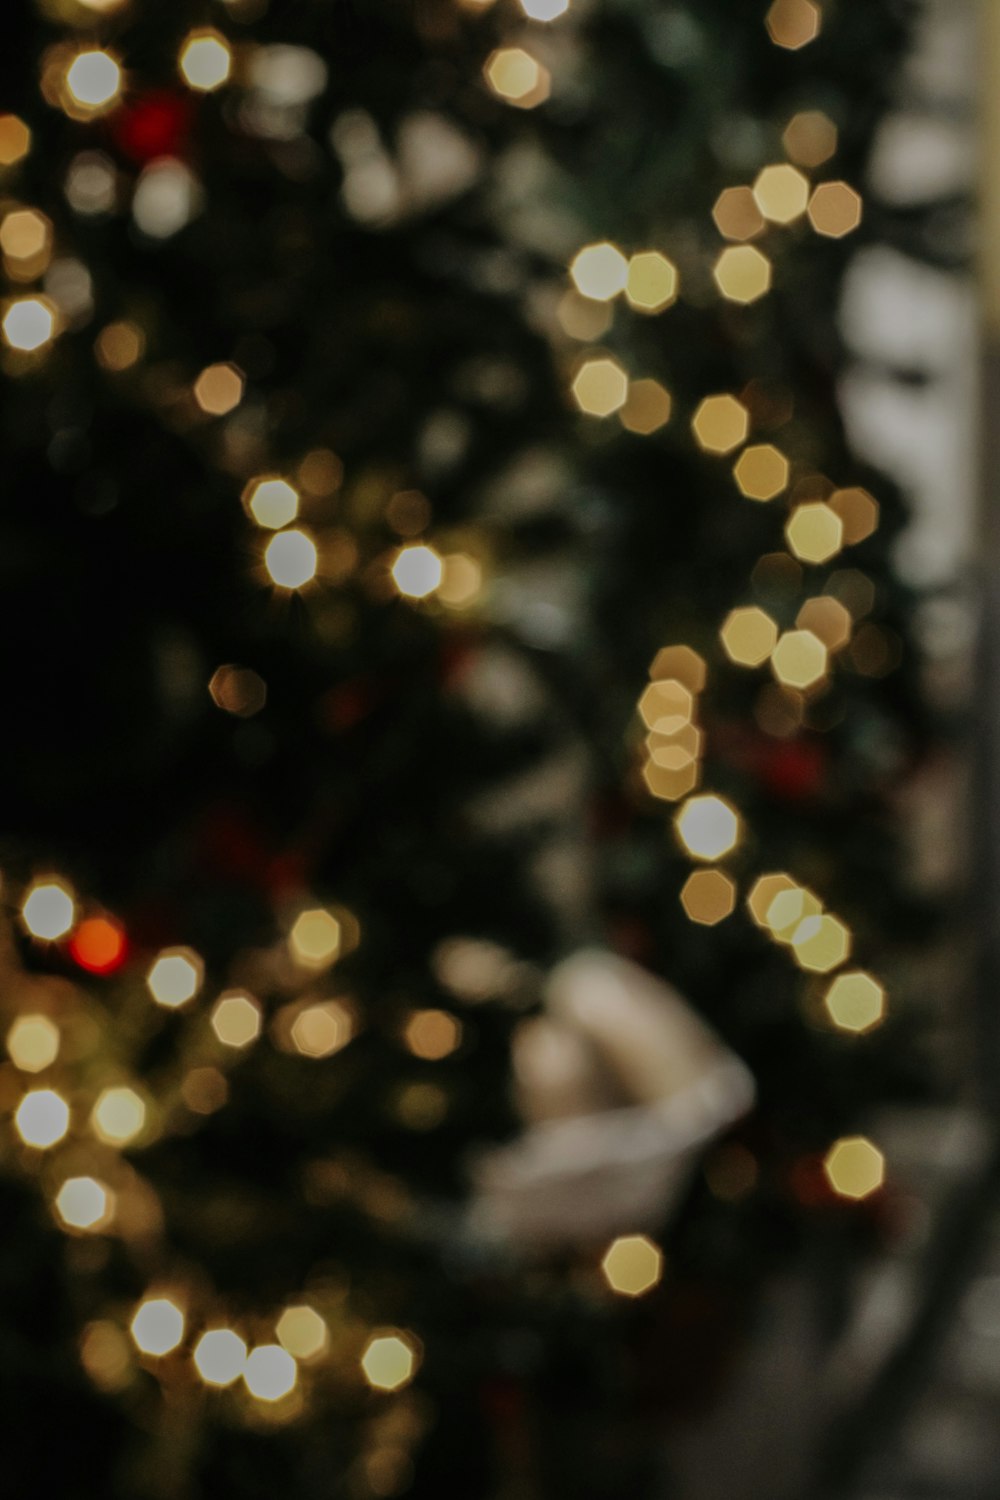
x,y
42,1118
708,897
748,636
219,389
854,1167
632,1265
206,60
389,1361
720,424
599,271
708,827
175,977
417,571
33,1043
84,1203
48,910
835,210
93,84
856,1002
118,1115
291,559
272,501
781,193
220,1357
29,323
761,472
652,282
743,274
157,1326
517,77
270,1372
303,1332
236,1019
600,387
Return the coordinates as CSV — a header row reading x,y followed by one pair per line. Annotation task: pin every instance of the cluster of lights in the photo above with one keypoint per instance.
x,y
649,281
668,710
793,916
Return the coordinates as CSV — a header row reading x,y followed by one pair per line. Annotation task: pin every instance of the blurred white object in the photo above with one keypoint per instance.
x,y
620,1085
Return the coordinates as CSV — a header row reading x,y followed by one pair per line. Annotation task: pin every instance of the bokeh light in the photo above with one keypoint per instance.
x,y
118,1116
652,282
632,1265
303,1332
321,1030
599,271
821,943
29,323
810,138
219,389
743,274
736,214
99,945
761,472
814,532
15,140
600,387
748,636
157,1326
236,1019
835,210
270,1372
708,897
84,1203
781,193
93,84
389,1361
33,1043
793,23
205,60
417,571
647,407
272,501
799,660
708,827
315,937
517,77
48,910
432,1034
720,424
854,1167
291,559
42,1118
175,977
856,1002
220,1357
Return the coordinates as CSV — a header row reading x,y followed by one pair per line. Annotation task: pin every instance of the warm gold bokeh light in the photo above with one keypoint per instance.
x,y
781,192
175,977
389,1361
600,387
682,664
118,346
118,1116
736,214
303,1332
517,77
793,23
647,407
720,424
93,83
29,323
321,1030
856,1002
820,943
652,282
236,1019
761,472
237,690
835,210
810,138
220,1357
272,501
48,910
219,389
799,660
632,1265
788,910
828,619
84,1203
26,239
15,140
157,1326
708,897
748,636
33,1043
666,706
854,1167
599,271
270,1372
763,893
432,1034
206,60
417,571
814,532
42,1118
708,827
743,274
858,511
315,937
291,559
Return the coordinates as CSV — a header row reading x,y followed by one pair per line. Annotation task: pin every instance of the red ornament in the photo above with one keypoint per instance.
x,y
156,124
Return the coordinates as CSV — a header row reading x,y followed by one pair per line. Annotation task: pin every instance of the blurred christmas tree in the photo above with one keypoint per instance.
x,y
513,330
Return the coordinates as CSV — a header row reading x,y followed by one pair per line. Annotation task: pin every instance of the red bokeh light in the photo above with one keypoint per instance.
x,y
98,945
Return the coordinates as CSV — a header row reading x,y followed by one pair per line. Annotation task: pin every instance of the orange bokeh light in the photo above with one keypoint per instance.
x,y
98,945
